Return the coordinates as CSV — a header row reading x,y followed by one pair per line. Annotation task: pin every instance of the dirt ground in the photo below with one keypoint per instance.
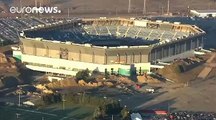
x,y
199,96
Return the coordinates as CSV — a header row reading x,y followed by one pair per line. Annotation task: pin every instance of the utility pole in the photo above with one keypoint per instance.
x,y
188,10
40,6
17,115
168,7
168,107
35,3
21,7
63,102
144,7
68,12
129,6
209,6
116,11
162,10
42,2
19,97
2,42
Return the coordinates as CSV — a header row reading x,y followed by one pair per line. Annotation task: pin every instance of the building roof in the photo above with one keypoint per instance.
x,y
205,11
113,32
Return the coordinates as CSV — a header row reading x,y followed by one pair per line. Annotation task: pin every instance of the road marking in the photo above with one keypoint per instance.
x,y
37,112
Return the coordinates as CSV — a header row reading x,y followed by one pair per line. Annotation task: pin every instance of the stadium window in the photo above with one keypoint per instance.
x,y
63,53
35,50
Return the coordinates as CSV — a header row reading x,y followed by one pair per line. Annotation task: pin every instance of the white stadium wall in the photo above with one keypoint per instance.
x,y
69,67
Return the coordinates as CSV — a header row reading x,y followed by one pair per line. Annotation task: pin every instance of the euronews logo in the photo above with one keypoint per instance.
x,y
29,10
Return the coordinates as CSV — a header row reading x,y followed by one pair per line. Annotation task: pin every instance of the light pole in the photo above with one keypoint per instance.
x,y
21,8
162,10
17,115
116,11
19,97
168,7
129,6
2,42
168,107
144,7
35,3
68,12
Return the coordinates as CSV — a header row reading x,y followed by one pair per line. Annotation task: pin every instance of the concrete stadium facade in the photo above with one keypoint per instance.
x,y
68,57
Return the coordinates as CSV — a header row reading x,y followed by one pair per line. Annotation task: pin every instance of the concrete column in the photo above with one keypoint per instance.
x,y
149,57
198,42
175,48
162,55
126,58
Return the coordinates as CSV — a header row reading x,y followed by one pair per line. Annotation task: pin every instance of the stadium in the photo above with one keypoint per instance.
x,y
116,45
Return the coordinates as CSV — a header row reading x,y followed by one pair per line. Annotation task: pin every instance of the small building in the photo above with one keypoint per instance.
x,y
203,13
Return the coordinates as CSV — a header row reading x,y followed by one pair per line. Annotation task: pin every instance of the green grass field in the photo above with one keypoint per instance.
x,y
53,112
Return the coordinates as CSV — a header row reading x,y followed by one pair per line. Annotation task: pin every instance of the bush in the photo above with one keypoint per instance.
x,y
112,106
107,109
82,75
52,98
124,113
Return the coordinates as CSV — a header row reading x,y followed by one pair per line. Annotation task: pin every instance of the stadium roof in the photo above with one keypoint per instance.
x,y
114,33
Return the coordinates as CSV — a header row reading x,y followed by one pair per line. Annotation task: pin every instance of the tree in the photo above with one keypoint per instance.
x,y
51,98
106,74
82,75
100,112
97,113
125,113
